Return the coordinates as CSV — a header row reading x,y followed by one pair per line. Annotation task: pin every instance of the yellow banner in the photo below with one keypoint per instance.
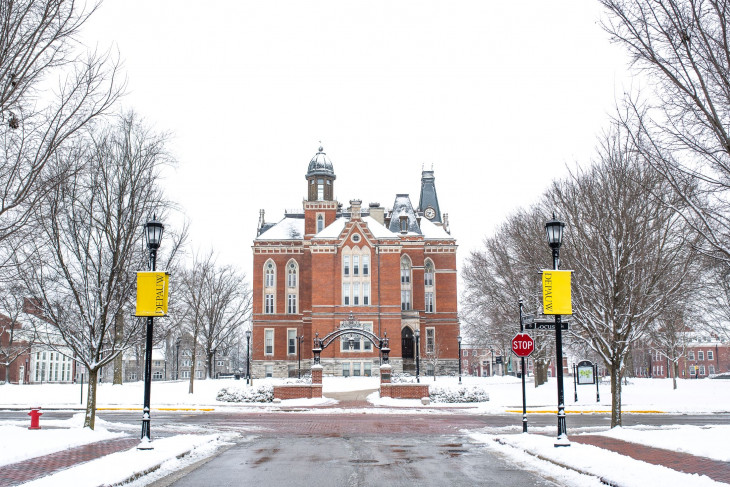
x,y
556,293
152,290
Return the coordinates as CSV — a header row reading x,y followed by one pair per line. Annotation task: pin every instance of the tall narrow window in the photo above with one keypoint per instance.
x,y
292,275
428,297
269,304
269,281
346,265
428,274
292,291
430,340
320,223
291,339
405,300
405,284
320,189
356,294
346,294
365,265
366,294
268,342
355,265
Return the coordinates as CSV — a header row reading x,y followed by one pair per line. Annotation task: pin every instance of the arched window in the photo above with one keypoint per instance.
x,y
320,223
292,287
429,287
269,287
405,284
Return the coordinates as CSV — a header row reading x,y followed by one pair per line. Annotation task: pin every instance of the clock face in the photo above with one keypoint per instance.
x,y
430,213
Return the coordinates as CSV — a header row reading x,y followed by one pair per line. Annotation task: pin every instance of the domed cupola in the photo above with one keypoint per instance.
x,y
320,177
320,165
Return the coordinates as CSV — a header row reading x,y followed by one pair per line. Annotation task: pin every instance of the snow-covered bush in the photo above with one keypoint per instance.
x,y
262,393
458,394
402,378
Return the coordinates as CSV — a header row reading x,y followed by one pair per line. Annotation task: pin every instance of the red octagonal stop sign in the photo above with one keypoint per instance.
x,y
523,345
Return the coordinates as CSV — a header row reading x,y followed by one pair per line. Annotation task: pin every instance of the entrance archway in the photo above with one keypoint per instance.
x,y
407,342
350,329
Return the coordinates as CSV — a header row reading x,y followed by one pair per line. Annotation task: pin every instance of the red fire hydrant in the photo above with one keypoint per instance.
x,y
35,415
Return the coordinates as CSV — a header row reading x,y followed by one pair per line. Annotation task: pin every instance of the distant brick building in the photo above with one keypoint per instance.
x,y
702,358
393,271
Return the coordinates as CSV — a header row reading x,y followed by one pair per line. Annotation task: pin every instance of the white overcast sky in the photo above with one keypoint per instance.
x,y
499,97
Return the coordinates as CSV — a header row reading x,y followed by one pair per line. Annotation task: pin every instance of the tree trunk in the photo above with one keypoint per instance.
x,y
675,367
118,362
90,417
615,395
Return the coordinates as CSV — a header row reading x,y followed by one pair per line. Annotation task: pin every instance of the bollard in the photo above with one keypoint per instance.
x,y
35,415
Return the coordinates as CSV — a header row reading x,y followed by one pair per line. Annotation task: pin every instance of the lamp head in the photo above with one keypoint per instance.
x,y
458,339
554,231
248,334
153,233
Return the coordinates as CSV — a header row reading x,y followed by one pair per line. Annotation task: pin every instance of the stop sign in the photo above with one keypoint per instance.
x,y
523,345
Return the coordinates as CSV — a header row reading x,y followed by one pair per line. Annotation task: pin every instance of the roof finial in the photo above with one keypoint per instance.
x,y
320,146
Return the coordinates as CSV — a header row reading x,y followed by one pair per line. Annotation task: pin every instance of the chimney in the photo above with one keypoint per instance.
x,y
355,209
261,222
377,212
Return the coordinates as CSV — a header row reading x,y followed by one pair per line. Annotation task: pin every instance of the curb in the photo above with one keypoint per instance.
x,y
603,480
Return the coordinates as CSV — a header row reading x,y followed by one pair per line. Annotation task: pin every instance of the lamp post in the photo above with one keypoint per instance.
x,y
248,356
300,340
458,339
418,364
554,230
153,234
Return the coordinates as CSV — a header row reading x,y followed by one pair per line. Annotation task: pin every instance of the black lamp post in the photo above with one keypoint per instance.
x,y
458,339
248,356
300,340
554,230
418,364
153,234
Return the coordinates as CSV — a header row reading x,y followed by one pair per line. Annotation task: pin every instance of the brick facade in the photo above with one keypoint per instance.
x,y
304,265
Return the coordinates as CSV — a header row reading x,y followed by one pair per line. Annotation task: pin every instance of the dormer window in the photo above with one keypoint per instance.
x,y
404,223
320,223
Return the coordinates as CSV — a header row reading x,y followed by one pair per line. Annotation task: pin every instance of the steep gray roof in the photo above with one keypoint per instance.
x,y
402,206
428,195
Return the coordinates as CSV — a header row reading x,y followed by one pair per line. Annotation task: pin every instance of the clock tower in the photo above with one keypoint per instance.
x,y
429,202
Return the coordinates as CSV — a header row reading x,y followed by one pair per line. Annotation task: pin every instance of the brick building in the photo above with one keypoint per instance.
x,y
389,272
702,358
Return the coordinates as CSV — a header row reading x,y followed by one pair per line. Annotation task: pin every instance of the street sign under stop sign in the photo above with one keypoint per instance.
x,y
523,345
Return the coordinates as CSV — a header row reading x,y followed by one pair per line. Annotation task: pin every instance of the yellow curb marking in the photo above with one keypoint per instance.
x,y
600,411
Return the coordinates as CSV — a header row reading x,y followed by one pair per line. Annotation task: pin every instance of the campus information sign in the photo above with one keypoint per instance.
x,y
585,372
556,293
152,290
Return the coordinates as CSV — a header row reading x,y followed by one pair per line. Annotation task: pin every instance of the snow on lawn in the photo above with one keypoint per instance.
x,y
704,441
54,435
505,394
531,451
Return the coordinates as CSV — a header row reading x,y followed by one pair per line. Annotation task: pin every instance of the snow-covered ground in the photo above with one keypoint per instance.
x,y
702,396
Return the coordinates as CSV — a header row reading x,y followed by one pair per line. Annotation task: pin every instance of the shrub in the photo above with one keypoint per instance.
x,y
450,394
402,378
262,393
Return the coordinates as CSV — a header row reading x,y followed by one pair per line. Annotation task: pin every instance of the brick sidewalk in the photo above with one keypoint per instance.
x,y
683,462
34,468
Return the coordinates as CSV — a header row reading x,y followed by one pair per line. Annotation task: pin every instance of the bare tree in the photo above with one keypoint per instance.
x,y
629,249
218,301
497,277
82,266
669,337
50,90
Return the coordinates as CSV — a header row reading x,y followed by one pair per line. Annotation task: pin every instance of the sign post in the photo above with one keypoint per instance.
x,y
522,346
